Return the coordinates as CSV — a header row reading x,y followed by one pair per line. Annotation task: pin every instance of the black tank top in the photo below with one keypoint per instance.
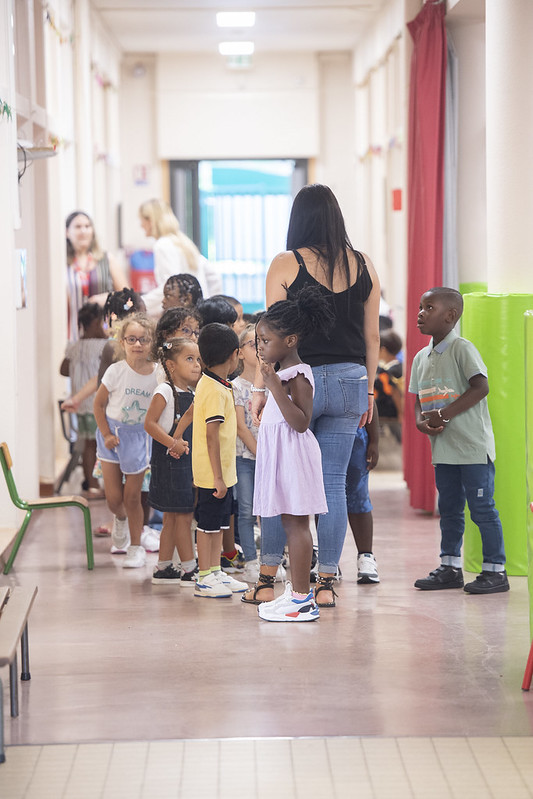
x,y
345,342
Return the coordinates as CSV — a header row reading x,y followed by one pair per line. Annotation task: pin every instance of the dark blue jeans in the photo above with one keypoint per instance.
x,y
473,483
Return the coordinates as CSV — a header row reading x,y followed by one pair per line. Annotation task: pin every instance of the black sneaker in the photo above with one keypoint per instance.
x,y
488,583
168,576
189,578
442,577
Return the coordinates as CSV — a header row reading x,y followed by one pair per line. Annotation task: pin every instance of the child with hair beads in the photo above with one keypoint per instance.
x,y
246,449
123,447
288,480
171,486
81,362
213,457
181,290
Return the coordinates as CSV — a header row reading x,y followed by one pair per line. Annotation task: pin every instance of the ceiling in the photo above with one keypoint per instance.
x,y
190,25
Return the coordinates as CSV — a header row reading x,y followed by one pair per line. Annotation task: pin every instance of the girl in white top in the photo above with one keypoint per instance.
x,y
174,253
171,486
246,449
123,446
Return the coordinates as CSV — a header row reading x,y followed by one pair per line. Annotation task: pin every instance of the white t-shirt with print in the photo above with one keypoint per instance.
x,y
130,393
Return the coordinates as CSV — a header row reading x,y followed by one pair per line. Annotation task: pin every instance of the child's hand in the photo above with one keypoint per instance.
x,y
111,441
258,403
430,424
267,370
372,456
70,405
220,489
179,447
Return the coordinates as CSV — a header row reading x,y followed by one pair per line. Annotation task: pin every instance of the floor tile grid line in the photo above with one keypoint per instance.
x,y
348,767
444,772
524,764
422,766
386,768
459,764
312,772
89,771
480,767
488,753
51,772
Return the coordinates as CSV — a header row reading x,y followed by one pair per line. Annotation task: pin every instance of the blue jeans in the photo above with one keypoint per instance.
x,y
473,483
339,402
245,496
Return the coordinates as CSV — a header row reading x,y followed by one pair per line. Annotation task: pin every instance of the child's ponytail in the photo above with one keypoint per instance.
x,y
302,313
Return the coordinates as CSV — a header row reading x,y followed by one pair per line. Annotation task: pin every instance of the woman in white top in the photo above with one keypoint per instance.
x,y
174,253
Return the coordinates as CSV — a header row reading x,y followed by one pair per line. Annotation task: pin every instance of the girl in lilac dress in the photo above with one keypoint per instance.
x,y
288,478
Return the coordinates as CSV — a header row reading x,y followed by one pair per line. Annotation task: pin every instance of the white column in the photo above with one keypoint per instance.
x,y
83,106
509,153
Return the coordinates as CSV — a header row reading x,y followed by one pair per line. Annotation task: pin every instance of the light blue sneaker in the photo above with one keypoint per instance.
x,y
287,608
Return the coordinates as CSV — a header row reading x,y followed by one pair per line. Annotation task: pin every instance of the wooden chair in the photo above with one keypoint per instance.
x,y
41,504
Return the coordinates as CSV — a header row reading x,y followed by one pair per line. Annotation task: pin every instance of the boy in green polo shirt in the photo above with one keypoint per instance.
x,y
214,436
450,381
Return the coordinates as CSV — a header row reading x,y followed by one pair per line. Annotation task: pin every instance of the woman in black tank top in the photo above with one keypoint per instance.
x,y
344,365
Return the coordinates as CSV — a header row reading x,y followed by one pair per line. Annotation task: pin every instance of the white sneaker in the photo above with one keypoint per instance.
x,y
135,558
210,586
250,573
367,569
287,608
150,539
281,574
120,536
235,586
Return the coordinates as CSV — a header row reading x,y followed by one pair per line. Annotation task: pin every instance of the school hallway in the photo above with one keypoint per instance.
x,y
142,691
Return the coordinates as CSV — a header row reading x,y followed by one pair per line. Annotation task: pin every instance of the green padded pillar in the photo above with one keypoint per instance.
x,y
495,324
529,452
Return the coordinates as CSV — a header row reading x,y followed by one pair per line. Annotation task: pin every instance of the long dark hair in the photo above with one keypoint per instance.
x,y
316,222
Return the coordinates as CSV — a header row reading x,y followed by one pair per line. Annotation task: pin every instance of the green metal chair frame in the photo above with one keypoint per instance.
x,y
41,504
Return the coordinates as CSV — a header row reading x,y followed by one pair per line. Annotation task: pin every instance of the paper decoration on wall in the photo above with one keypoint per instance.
x,y
49,18
5,110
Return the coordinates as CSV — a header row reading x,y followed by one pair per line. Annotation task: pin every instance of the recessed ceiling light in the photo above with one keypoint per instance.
x,y
236,19
236,48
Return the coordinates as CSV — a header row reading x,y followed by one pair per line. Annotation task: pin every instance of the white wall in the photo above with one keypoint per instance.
x,y
469,39
205,110
138,144
335,164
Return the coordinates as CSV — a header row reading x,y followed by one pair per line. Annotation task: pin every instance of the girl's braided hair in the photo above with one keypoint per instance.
x,y
169,322
302,313
168,352
186,284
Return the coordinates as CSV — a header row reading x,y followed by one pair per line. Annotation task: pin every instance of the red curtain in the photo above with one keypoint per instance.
x,y
427,102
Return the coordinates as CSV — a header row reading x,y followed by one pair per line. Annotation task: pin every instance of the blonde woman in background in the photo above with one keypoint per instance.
x,y
174,253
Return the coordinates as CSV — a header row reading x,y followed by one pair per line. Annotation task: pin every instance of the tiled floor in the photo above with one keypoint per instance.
x,y
301,768
139,691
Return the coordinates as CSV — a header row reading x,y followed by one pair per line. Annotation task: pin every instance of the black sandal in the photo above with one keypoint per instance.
x,y
325,584
265,581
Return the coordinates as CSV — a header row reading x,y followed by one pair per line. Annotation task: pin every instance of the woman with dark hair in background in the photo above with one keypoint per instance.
x,y
91,272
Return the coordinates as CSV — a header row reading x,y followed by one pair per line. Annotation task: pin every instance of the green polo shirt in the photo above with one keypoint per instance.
x,y
439,376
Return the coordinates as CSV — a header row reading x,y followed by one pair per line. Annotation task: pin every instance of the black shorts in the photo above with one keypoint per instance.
x,y
213,514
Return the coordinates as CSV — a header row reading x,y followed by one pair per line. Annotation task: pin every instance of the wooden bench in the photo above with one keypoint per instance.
x,y
15,606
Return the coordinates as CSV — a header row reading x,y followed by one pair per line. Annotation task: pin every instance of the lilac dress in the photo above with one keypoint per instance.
x,y
288,472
